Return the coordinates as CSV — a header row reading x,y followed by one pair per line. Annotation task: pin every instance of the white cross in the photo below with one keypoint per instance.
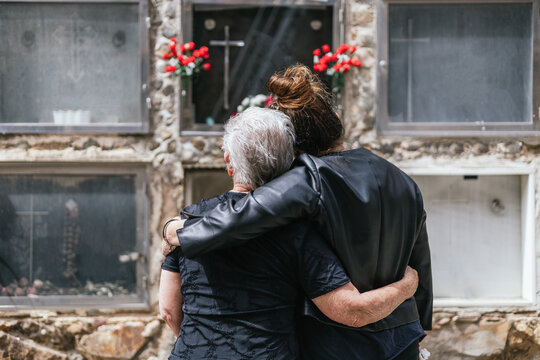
x,y
227,43
410,40
75,36
31,213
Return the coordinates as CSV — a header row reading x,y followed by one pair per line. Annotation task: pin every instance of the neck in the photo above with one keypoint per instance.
x,y
337,148
241,188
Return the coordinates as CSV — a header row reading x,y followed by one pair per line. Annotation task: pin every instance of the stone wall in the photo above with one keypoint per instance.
x,y
459,333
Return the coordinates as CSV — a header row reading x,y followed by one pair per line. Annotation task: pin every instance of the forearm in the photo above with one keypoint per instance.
x,y
170,300
348,306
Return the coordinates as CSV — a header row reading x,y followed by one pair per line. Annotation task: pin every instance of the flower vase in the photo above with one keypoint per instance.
x,y
184,90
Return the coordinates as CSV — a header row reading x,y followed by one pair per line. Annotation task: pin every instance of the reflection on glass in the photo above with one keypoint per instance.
x,y
67,235
69,64
467,63
262,40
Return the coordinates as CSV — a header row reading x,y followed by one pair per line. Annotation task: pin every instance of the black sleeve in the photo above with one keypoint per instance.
x,y
171,261
421,261
293,195
320,270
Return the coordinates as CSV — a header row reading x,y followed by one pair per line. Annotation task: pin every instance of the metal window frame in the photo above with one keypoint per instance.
x,y
188,127
140,300
528,127
99,128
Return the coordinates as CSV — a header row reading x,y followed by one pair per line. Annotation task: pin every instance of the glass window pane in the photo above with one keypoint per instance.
x,y
274,37
73,64
206,183
464,63
63,235
474,228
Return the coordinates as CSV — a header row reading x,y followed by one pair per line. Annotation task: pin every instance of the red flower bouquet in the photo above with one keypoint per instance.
x,y
335,64
185,60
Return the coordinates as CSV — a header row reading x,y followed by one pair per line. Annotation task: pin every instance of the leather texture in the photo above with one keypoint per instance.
x,y
369,211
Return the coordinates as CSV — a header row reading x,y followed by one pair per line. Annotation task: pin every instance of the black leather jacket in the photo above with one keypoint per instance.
x,y
370,212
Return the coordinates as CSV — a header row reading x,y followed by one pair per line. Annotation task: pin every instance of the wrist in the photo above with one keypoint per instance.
x,y
164,231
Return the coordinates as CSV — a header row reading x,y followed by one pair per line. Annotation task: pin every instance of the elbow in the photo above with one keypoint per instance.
x,y
353,318
356,319
166,314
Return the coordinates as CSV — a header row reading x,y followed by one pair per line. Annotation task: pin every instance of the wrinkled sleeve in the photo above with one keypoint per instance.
x,y
320,270
171,261
293,195
421,262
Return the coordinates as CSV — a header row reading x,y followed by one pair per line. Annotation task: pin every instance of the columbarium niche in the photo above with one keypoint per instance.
x,y
205,183
75,238
248,41
480,232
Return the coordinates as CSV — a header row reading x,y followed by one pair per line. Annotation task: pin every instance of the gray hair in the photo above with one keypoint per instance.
x,y
260,143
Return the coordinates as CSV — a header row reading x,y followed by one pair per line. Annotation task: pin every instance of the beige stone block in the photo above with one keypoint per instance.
x,y
15,348
120,341
361,15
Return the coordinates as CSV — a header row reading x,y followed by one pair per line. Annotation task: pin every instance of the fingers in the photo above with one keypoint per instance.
x,y
166,248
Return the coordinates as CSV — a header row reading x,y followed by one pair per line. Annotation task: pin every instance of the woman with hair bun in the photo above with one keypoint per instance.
x,y
370,213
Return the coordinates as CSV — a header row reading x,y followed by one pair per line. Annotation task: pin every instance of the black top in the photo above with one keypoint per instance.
x,y
370,212
239,303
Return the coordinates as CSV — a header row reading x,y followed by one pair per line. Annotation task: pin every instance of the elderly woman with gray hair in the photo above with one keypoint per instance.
x,y
239,303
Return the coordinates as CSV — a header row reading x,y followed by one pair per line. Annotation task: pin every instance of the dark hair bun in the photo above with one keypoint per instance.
x,y
302,96
294,88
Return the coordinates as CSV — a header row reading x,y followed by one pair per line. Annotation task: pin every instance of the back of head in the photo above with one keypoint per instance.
x,y
260,143
300,94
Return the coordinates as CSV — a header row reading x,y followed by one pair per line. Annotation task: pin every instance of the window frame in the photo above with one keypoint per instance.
x,y
447,129
188,127
129,128
140,300
528,296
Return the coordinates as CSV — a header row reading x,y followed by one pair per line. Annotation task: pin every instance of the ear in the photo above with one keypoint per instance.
x,y
227,159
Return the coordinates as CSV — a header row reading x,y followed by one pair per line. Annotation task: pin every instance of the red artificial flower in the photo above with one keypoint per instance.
x,y
352,49
346,67
334,57
166,56
173,40
343,48
196,53
206,56
203,50
325,59
206,67
269,101
317,52
191,45
183,60
356,62
323,67
337,67
172,47
182,48
191,59
326,48
170,68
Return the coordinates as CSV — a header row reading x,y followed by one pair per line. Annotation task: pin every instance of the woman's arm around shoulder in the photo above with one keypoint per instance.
x,y
291,196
